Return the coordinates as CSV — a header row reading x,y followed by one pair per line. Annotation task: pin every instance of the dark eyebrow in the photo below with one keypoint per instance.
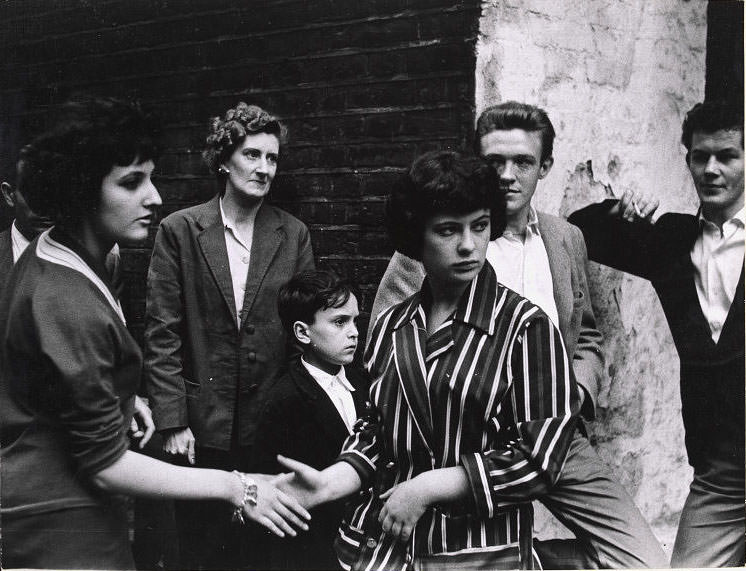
x,y
131,174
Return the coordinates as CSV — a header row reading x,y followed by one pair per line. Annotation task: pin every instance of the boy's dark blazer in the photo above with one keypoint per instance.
x,y
301,422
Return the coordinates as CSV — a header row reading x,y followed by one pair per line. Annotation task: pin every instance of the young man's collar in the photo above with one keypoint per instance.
x,y
532,225
738,218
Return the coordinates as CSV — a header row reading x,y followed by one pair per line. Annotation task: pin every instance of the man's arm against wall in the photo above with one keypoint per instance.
x,y
615,242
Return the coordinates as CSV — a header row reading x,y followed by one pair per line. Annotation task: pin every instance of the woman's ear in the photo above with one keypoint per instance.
x,y
302,335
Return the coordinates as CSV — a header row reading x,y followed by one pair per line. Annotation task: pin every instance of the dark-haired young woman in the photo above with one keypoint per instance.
x,y
69,368
473,394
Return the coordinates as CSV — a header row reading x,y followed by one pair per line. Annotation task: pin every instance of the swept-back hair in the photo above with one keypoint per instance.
x,y
515,115
711,116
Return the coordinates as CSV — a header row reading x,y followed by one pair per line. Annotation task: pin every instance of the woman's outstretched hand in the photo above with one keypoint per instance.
x,y
276,510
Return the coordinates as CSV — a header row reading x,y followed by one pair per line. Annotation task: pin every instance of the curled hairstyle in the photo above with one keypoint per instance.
x,y
229,131
63,168
515,115
441,182
711,116
311,291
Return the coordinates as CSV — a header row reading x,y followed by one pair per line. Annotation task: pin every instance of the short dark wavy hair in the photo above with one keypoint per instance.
x,y
229,131
711,116
515,115
63,168
442,182
311,291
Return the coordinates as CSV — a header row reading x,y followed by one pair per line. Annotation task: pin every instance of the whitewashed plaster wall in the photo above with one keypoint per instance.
x,y
616,77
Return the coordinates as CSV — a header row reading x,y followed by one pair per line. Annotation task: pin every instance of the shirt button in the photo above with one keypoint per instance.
x,y
252,356
371,543
245,259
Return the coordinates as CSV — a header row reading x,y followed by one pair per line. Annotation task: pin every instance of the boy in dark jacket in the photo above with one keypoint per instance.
x,y
311,407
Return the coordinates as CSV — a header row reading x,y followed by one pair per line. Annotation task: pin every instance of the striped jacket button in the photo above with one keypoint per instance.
x,y
371,543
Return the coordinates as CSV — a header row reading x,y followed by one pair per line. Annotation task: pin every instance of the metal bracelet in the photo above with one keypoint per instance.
x,y
249,496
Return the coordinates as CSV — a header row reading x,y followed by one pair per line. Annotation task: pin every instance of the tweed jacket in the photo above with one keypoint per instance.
x,y
712,374
202,369
567,260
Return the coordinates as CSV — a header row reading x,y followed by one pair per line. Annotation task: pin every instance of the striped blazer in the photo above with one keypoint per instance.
x,y
491,391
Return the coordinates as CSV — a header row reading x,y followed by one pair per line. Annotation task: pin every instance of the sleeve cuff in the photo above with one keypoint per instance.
x,y
362,465
479,484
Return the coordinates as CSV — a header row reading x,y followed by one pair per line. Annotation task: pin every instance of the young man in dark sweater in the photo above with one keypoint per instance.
x,y
695,263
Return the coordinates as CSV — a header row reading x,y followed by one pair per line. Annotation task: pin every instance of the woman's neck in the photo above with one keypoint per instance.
x,y
96,246
443,302
239,209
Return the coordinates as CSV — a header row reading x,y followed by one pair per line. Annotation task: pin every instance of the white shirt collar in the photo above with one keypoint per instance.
x,y
738,218
532,226
325,378
18,240
227,222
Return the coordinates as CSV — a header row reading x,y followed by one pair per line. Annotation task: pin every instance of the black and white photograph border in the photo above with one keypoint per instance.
x,y
363,88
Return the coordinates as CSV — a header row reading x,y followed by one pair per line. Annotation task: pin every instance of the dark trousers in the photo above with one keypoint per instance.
x,y
93,537
208,539
712,527
611,532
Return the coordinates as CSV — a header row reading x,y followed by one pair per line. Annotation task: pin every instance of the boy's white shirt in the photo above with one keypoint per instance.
x,y
338,389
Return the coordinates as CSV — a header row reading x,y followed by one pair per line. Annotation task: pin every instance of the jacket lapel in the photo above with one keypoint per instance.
x,y
325,414
559,266
735,313
266,242
212,243
409,358
361,385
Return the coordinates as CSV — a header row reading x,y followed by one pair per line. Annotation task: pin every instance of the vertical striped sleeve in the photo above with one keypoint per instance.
x,y
545,402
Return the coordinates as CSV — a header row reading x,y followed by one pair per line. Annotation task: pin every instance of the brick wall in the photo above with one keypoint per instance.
x,y
364,86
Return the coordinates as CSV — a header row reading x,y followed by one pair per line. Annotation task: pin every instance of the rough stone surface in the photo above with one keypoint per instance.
x,y
616,78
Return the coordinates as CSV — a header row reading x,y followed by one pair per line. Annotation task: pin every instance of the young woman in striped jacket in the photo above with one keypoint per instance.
x,y
473,404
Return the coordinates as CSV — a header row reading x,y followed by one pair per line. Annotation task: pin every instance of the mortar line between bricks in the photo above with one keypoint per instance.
x,y
310,170
404,14
250,62
192,96
351,112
